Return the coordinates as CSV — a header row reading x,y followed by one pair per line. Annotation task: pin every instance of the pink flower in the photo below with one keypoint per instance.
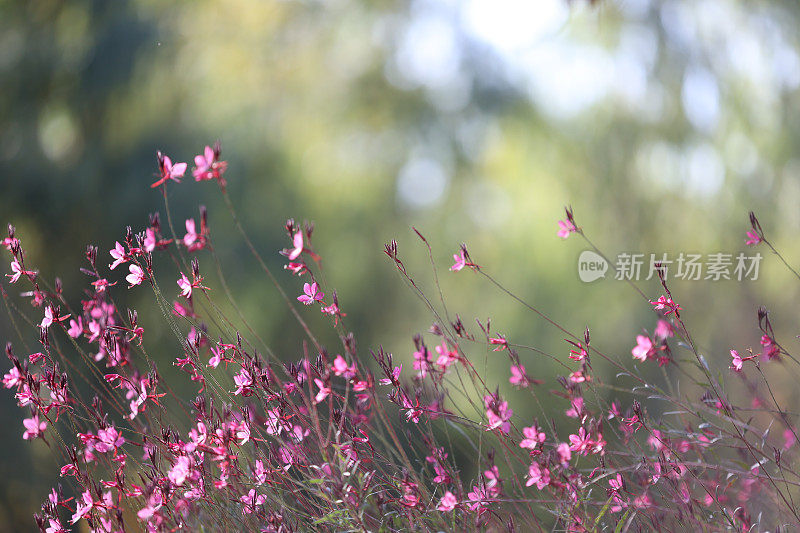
x,y
180,470
12,378
136,277
446,356
243,381
119,255
643,348
565,228
83,506
208,166
518,376
564,453
33,427
216,358
498,413
297,243
461,261
191,236
340,368
538,475
533,436
666,303
580,442
576,408
448,502
75,328
311,295
16,268
738,361
295,268
55,526
410,494
48,319
150,240
324,390
243,432
250,500
168,170
479,498
185,285
664,330
109,439
753,238
154,503
736,364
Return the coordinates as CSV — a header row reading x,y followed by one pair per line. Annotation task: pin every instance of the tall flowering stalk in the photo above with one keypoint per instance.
x,y
345,439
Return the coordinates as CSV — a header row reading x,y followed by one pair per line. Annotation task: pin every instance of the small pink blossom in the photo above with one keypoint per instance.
x,y
192,237
136,277
47,321
185,286
538,475
180,470
498,413
150,240
324,390
576,408
243,381
311,295
108,439
33,427
340,368
448,502
168,170
119,255
460,261
667,303
75,328
55,526
664,330
446,356
580,442
208,166
250,500
565,227
518,376
753,238
533,437
564,453
297,246
243,432
16,268
83,506
738,361
12,378
643,349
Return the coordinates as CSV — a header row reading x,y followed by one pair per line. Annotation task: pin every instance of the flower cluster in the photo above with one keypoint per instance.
x,y
331,440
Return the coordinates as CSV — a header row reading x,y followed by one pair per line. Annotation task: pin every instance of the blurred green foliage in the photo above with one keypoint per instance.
x,y
661,123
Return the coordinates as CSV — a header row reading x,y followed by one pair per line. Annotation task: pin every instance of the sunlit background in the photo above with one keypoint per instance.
x,y
661,123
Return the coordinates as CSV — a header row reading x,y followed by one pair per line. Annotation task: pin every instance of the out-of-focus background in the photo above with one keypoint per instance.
x,y
661,123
